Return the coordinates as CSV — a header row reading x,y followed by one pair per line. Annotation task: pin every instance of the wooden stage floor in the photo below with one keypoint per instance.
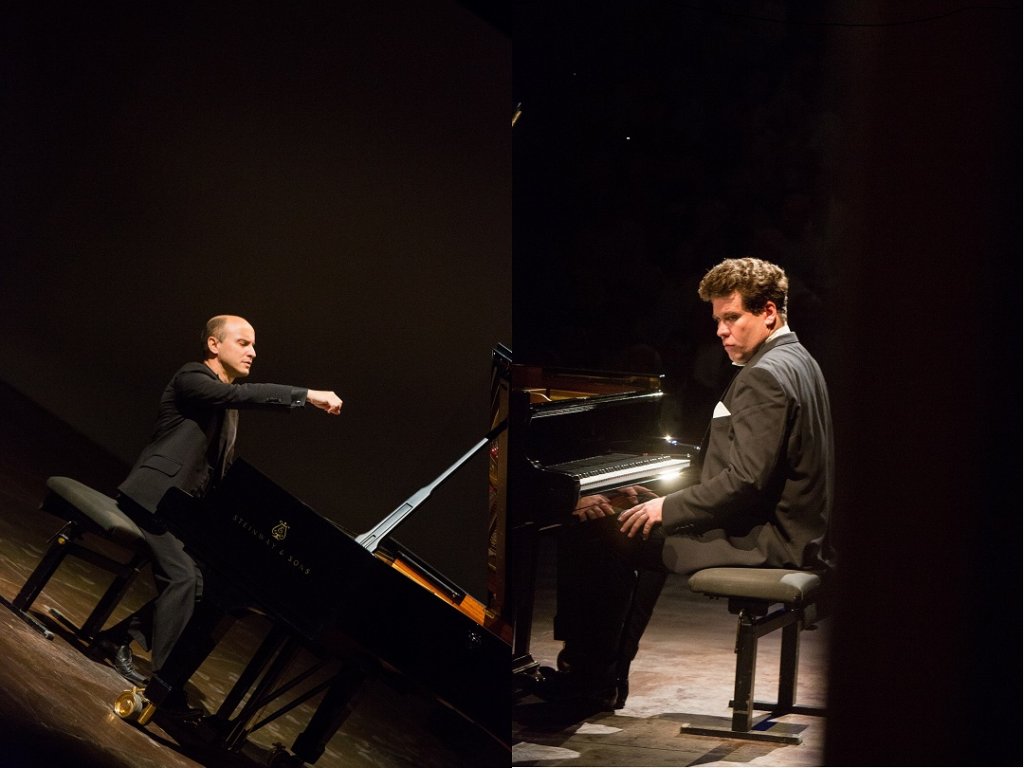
x,y
56,703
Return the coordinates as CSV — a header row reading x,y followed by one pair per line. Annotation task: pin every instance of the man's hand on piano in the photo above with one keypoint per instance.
x,y
641,518
594,508
327,401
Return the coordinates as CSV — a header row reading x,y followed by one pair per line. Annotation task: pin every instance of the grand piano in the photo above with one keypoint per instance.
x,y
364,603
571,433
368,604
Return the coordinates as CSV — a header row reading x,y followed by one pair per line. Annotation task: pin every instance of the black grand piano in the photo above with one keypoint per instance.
x,y
369,604
364,603
571,433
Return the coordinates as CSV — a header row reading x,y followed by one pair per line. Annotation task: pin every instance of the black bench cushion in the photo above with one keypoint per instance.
x,y
778,585
97,507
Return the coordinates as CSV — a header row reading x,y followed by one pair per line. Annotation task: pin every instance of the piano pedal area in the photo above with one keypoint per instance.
x,y
132,705
59,707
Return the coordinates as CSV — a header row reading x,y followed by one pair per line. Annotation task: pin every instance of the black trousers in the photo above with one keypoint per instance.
x,y
607,588
158,624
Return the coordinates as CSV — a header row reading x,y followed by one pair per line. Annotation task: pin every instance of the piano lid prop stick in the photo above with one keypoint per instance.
x,y
372,538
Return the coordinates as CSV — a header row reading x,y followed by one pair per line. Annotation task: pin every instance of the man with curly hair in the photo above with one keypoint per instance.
x,y
764,497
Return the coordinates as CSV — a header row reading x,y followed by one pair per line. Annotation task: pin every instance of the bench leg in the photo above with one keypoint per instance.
x,y
750,627
67,542
124,573
746,668
27,617
789,662
789,665
52,558
111,598
60,547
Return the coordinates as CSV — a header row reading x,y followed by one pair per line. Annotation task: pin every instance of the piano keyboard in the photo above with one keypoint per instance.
x,y
617,469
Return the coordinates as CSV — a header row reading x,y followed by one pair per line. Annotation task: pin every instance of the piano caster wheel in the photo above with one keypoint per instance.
x,y
133,705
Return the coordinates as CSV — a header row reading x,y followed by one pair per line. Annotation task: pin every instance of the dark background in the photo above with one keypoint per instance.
x,y
337,173
872,150
657,139
342,175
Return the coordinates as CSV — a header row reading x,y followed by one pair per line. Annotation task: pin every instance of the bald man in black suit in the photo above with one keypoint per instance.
x,y
191,448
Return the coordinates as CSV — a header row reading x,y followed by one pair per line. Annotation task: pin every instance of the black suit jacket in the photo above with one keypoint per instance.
x,y
767,480
186,449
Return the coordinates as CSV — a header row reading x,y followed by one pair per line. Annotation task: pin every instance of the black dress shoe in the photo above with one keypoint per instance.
x,y
175,707
124,663
555,685
621,692
120,657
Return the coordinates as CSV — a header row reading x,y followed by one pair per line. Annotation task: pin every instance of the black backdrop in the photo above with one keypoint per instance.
x,y
343,178
871,149
338,173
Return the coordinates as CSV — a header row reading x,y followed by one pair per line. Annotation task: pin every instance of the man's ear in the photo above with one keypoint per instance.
x,y
212,345
771,315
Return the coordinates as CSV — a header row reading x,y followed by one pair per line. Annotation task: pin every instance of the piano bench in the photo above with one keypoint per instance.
x,y
752,593
85,511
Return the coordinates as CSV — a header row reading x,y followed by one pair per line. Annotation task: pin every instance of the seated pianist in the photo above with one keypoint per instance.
x,y
191,448
764,497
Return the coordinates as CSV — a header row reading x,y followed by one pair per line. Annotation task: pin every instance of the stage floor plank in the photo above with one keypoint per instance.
x,y
55,703
683,673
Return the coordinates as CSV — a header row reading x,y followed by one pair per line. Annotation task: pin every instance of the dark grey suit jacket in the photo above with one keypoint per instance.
x,y
186,449
767,480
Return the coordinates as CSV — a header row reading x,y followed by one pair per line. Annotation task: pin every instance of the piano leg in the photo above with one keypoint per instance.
x,y
332,712
222,724
271,668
